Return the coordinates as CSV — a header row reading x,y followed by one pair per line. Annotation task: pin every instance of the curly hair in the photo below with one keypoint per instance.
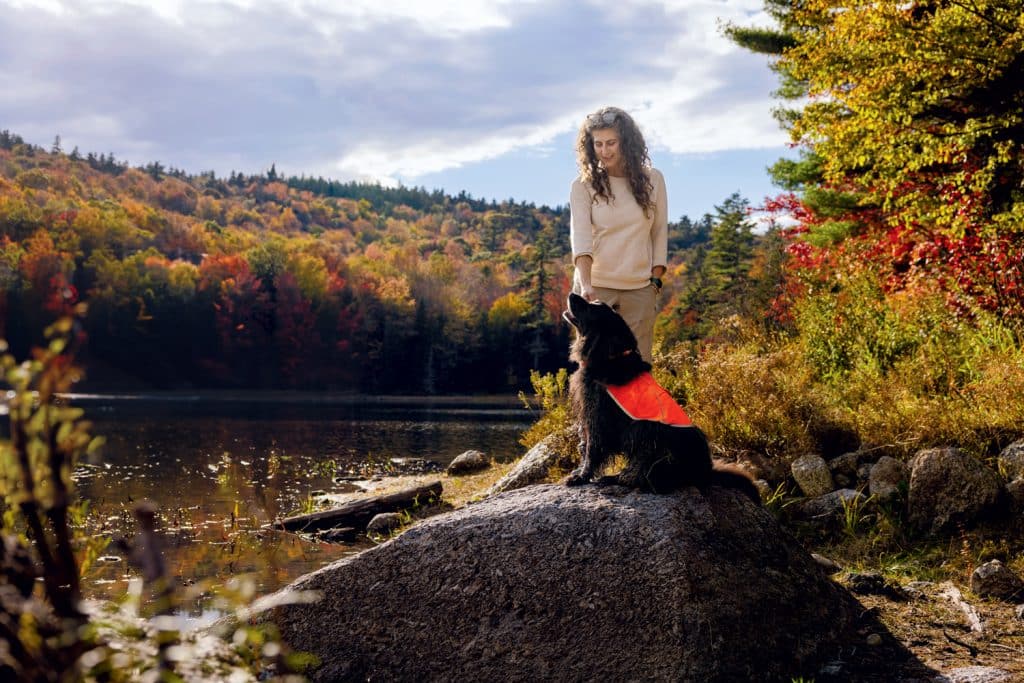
x,y
633,149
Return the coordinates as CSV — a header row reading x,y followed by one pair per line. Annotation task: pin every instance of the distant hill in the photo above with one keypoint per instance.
x,y
259,281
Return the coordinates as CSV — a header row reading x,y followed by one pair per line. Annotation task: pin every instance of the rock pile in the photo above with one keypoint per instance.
x,y
938,489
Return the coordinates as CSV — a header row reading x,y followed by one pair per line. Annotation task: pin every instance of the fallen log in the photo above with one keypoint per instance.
x,y
358,513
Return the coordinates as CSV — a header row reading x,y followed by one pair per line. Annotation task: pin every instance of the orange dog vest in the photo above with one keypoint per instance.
x,y
644,399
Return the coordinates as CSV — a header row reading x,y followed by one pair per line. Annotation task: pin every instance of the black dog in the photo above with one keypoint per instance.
x,y
660,457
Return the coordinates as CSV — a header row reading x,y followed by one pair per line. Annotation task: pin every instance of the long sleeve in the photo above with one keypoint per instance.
x,y
659,228
581,230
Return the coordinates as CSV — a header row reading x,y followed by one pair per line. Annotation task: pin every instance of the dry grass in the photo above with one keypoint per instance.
x,y
752,392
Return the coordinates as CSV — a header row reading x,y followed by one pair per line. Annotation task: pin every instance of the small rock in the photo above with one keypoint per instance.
x,y
873,583
885,478
846,465
873,639
974,674
829,507
764,488
383,524
916,589
1019,612
813,475
1011,461
833,668
995,580
829,565
864,473
470,461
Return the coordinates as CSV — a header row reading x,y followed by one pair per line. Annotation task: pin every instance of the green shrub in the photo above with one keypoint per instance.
x,y
555,419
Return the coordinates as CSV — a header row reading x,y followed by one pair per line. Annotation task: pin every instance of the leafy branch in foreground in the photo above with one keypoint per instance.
x,y
36,492
50,634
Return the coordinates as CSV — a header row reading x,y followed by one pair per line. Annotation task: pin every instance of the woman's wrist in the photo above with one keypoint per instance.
x,y
656,281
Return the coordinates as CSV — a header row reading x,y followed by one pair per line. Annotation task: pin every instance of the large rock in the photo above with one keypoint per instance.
x,y
557,583
995,580
975,674
948,486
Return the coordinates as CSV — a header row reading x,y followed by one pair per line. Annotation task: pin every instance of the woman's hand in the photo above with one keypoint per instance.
x,y
583,265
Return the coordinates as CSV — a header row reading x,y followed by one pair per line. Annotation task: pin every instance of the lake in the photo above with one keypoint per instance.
x,y
221,466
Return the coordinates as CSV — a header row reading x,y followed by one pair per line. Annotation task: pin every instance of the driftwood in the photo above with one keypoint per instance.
x,y
358,513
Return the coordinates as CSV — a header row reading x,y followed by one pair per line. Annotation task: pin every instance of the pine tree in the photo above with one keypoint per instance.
x,y
730,249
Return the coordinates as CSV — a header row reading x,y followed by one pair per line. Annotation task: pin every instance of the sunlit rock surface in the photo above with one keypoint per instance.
x,y
549,582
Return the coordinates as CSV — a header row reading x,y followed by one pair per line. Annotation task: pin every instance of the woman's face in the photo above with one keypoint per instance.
x,y
608,150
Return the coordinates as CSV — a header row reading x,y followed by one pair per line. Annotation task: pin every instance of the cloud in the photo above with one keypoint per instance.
x,y
373,90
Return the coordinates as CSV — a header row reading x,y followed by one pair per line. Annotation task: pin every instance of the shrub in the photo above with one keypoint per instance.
x,y
552,394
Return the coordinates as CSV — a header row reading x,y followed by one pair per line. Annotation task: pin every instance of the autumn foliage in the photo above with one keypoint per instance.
x,y
258,281
900,319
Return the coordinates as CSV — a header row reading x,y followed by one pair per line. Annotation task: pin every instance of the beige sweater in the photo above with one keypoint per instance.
x,y
624,243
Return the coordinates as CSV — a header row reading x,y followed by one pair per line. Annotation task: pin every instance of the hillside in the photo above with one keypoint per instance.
x,y
259,281
195,281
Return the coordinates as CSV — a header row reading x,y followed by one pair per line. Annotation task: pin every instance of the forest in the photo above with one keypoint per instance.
x,y
195,281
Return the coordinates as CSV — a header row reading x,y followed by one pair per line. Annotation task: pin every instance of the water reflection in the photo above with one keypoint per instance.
x,y
221,469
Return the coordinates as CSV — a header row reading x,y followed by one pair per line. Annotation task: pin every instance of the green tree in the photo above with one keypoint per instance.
x,y
730,249
717,277
912,105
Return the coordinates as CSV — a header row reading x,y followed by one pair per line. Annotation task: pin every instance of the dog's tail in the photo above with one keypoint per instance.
x,y
733,477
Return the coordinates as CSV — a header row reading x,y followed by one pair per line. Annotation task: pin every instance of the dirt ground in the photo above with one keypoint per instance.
x,y
928,633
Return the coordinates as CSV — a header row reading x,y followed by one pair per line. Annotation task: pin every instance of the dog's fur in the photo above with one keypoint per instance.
x,y
659,458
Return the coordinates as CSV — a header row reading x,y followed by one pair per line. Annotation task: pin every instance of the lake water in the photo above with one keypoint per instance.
x,y
221,467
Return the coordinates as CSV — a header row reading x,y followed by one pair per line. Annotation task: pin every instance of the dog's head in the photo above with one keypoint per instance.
x,y
602,337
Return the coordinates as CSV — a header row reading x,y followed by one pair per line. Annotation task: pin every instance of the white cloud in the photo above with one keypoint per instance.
x,y
364,88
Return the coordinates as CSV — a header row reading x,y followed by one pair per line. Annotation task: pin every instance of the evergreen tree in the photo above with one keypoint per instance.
x,y
716,274
730,249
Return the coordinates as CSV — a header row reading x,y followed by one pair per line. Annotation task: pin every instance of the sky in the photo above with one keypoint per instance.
x,y
480,96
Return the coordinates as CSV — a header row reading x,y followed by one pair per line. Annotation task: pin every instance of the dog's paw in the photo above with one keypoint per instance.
x,y
610,480
577,477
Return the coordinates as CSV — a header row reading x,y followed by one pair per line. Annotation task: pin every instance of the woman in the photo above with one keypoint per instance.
x,y
619,229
